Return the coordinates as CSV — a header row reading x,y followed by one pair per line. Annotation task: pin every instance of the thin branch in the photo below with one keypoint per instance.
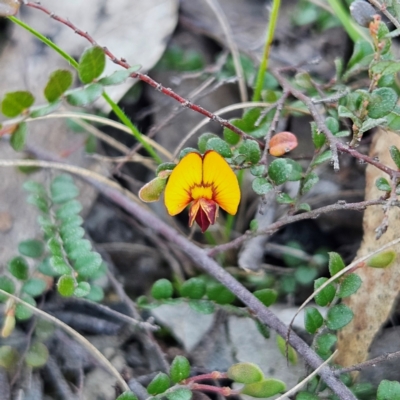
x,y
305,380
79,338
382,8
355,263
219,13
369,363
143,77
201,259
335,144
294,218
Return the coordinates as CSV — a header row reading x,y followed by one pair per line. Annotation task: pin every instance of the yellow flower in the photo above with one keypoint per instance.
x,y
206,182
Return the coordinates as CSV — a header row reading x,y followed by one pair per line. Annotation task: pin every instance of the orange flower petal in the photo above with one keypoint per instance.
x,y
218,173
183,177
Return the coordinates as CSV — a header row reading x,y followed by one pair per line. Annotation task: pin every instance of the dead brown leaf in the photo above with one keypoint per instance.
x,y
373,302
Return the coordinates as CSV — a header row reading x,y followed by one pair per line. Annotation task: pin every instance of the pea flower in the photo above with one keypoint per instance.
x,y
206,182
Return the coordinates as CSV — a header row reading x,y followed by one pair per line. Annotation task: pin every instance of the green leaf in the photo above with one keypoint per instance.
x,y
395,154
118,77
383,184
257,170
220,146
180,369
34,187
245,372
284,198
336,263
167,166
193,288
34,287
332,124
344,112
318,137
91,64
393,119
338,317
8,357
88,264
313,319
261,186
41,111
326,295
387,67
159,384
55,247
382,260
321,158
78,248
37,355
71,234
82,290
305,275
69,209
14,103
296,172
388,390
202,306
84,96
231,137
286,349
7,285
179,394
263,329
349,285
219,293
63,189
162,289
266,296
279,171
304,207
309,181
382,102
325,342
203,139
250,149
361,57
19,268
306,396
128,395
96,294
18,137
186,151
371,123
31,248
265,388
59,265
22,312
40,202
59,81
66,285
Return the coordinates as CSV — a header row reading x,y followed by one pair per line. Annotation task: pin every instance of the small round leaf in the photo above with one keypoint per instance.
x,y
180,369
162,289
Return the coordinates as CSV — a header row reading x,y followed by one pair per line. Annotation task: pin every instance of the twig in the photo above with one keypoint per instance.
x,y
221,111
368,363
143,77
385,12
274,123
201,259
335,144
338,275
294,218
79,338
219,13
305,380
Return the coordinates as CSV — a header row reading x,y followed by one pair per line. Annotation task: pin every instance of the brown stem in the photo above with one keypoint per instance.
x,y
145,78
208,265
